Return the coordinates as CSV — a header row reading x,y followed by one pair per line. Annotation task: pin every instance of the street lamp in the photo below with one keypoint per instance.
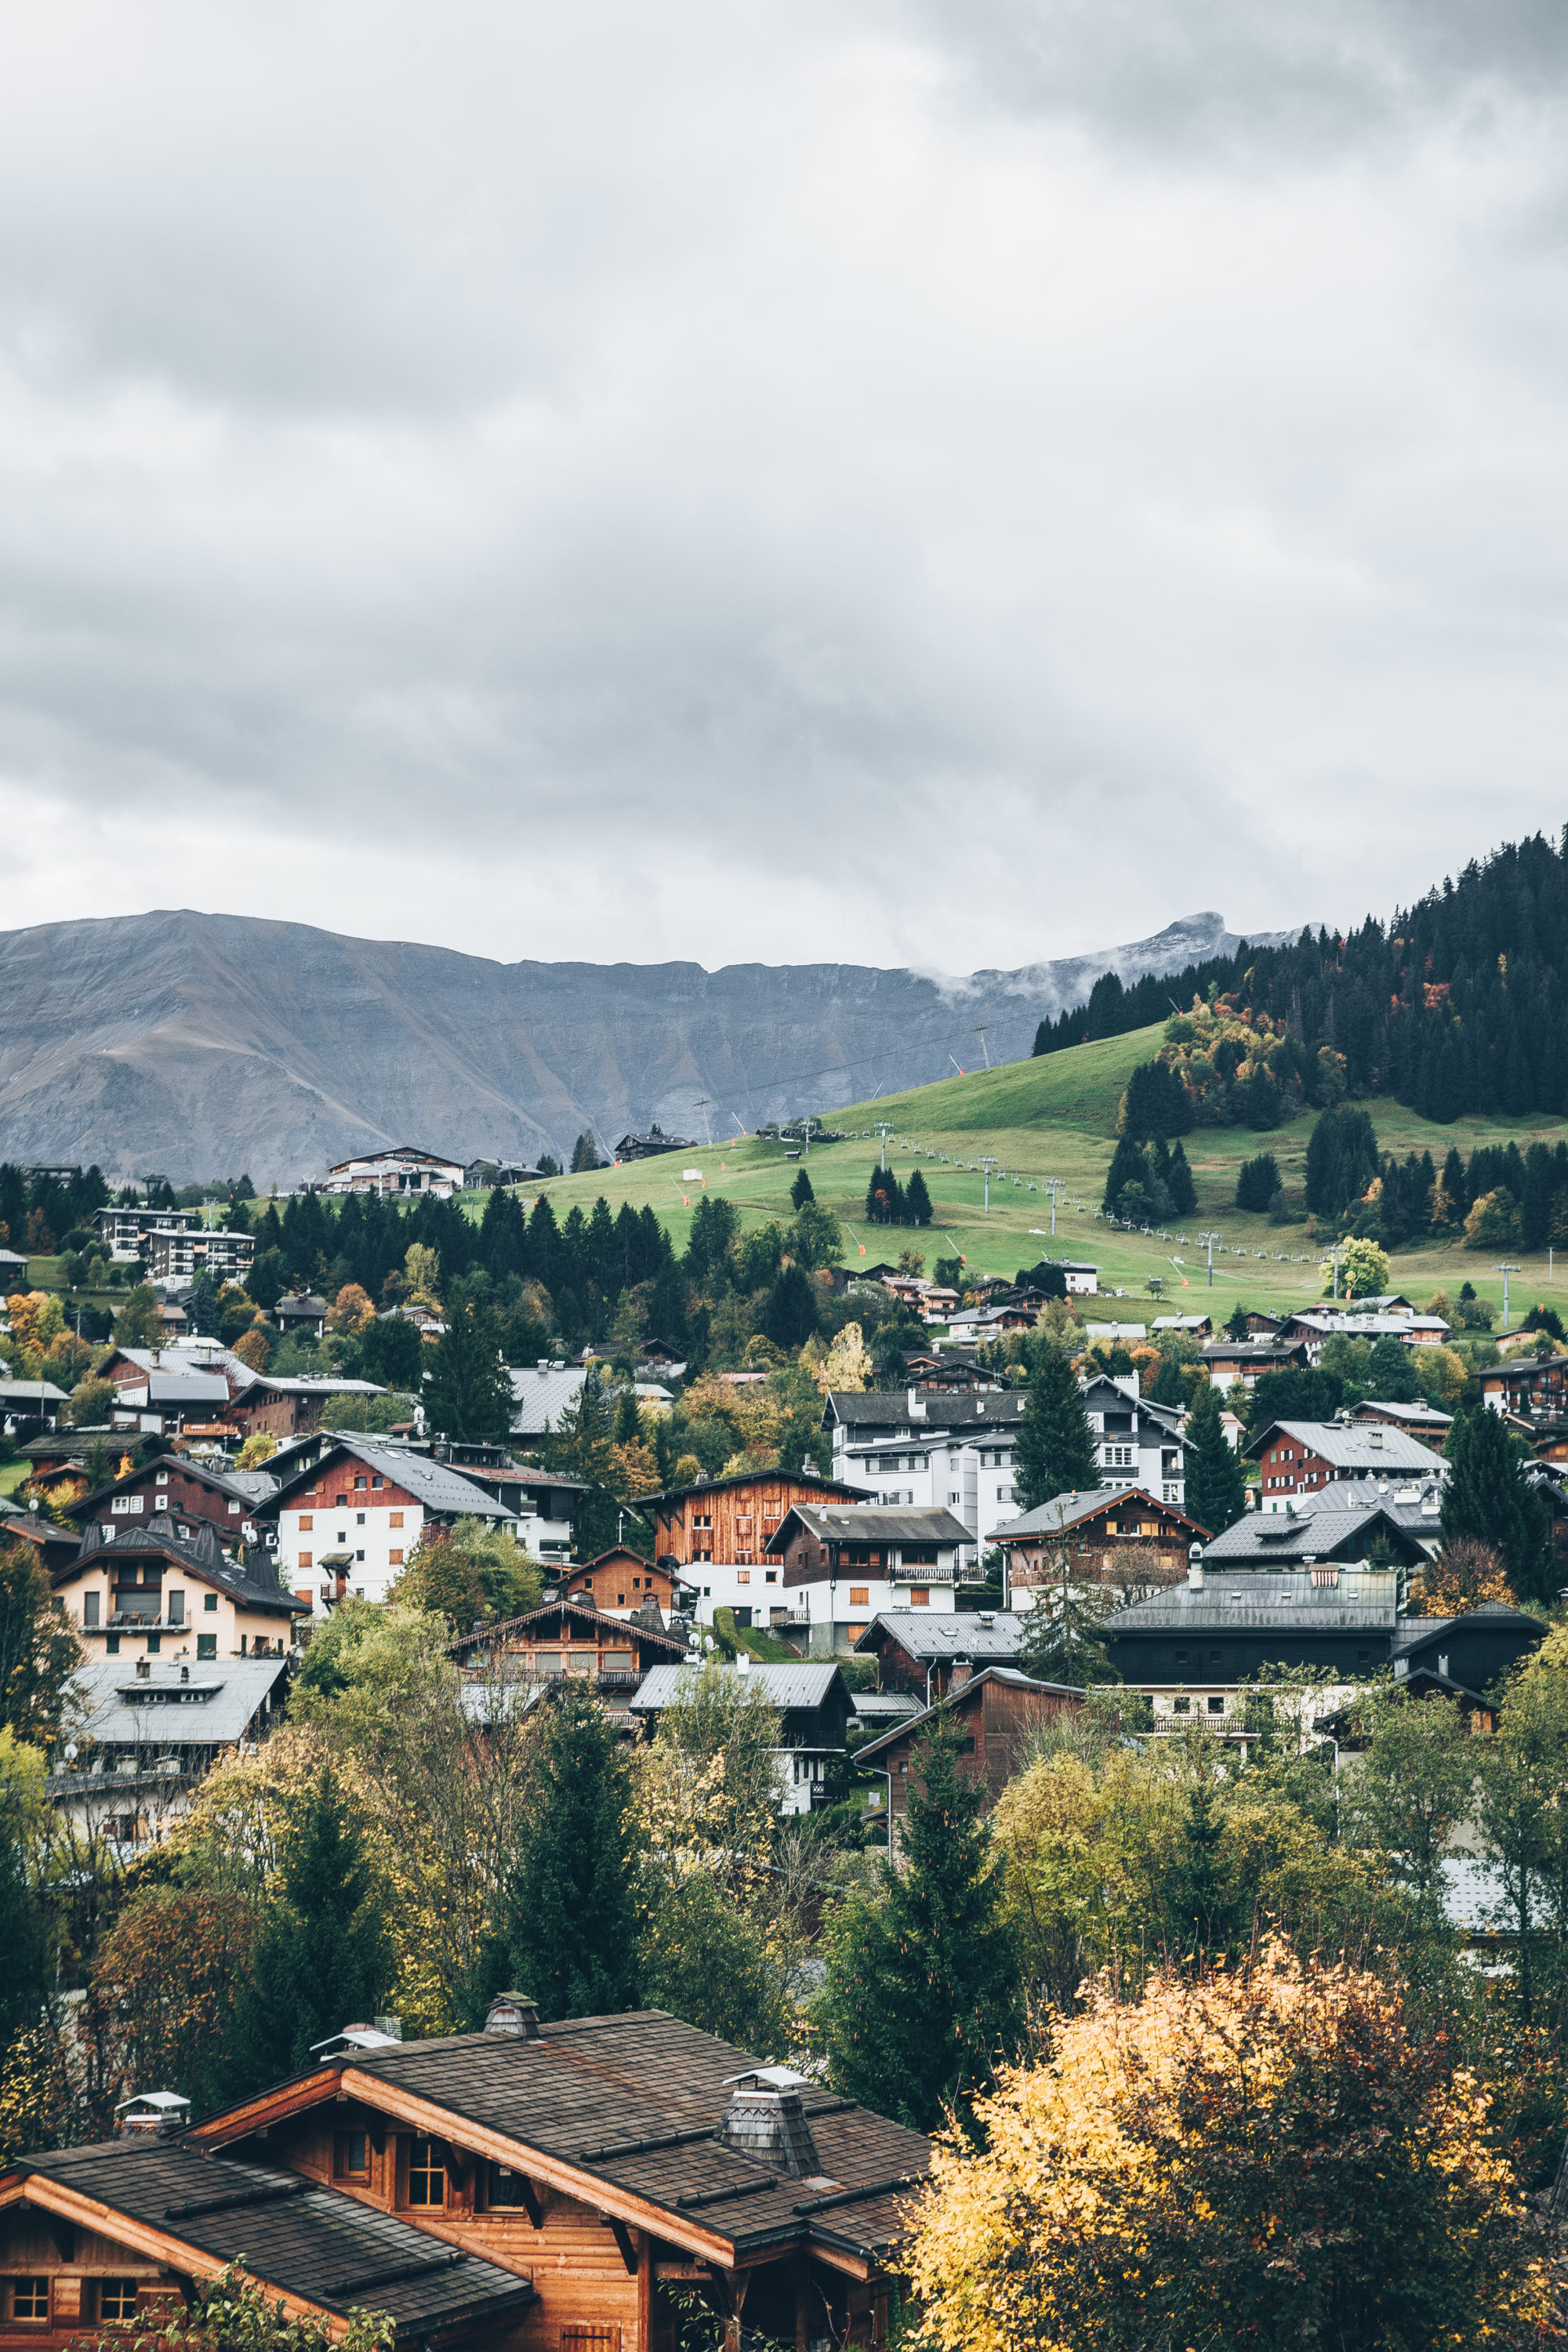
x,y
1208,1241
1505,1270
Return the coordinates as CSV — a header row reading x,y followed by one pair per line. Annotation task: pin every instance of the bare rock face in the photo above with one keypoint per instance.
x,y
204,1044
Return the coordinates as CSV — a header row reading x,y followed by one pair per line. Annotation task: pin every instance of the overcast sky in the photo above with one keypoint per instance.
x,y
886,480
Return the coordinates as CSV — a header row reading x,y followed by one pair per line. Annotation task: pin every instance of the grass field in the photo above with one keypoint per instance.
x,y
1056,1117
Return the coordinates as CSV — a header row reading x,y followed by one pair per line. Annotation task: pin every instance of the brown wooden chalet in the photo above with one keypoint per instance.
x,y
126,2229
194,1495
733,1519
995,1714
1088,1527
620,1579
604,2160
570,1637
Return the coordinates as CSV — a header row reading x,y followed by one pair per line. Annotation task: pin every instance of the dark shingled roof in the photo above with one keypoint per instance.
x,y
255,1586
311,2241
637,2100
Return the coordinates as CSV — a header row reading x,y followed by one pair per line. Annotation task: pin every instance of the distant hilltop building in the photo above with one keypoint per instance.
x,y
646,1146
402,1170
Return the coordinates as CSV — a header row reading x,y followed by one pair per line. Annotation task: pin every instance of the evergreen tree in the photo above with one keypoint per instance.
x,y
392,1352
1236,1325
1064,1631
800,1191
1486,1498
570,1931
1215,1490
789,1311
585,1154
469,1395
628,1428
1055,1453
923,1980
322,1957
1341,1159
916,1201
1128,1166
1257,1182
1179,1180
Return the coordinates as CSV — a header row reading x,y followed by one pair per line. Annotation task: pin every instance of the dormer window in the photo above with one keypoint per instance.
x,y
162,1478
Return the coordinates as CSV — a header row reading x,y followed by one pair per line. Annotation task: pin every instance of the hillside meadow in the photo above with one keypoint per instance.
x,y
1056,1118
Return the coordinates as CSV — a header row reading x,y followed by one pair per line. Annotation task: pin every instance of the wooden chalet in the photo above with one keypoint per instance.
x,y
995,1714
1088,1527
604,2161
733,1519
570,1637
621,1580
193,1494
92,2237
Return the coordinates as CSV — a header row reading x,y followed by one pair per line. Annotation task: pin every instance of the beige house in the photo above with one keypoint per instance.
x,y
132,1590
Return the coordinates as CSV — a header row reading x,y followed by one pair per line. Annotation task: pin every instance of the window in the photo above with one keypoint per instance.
x,y
29,2299
307,1559
395,1559
919,1555
162,1479
206,1646
505,2191
117,2298
395,1518
966,1745
1217,1705
359,1519
548,1662
426,2172
360,1484
154,1644
89,1608
1181,1657
125,1503
599,2336
234,1510
742,1576
176,1608
111,1644
210,1604
919,1596
351,2156
770,1576
307,1522
617,1662
376,1481
1181,1706
860,1596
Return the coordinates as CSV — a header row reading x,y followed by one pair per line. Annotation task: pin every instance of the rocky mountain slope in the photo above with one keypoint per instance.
x,y
201,1045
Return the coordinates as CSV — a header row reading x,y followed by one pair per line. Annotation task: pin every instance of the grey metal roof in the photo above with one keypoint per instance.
x,y
111,1704
437,1484
1288,1602
1414,1502
540,1394
164,1388
933,1634
1414,1633
1423,1414
182,1358
1066,1510
782,1686
953,1408
867,1523
1261,1537
25,1392
1349,1446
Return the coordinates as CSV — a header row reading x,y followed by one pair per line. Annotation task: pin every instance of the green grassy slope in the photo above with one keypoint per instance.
x,y
1056,1117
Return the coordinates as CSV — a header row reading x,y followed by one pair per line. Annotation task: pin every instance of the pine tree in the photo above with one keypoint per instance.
x,y
1237,1327
923,1980
789,1311
1064,1632
800,1191
1128,1166
570,1932
1485,1497
322,1958
916,1201
1178,1180
469,1395
585,1154
1056,1451
1215,1490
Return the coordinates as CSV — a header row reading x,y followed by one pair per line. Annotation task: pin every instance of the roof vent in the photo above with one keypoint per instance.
x,y
987,1617
765,2120
512,2017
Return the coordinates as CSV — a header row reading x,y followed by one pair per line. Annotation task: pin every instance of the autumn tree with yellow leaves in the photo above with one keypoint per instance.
x,y
1261,2155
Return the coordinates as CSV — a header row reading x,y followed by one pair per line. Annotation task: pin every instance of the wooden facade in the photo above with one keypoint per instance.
x,y
622,1579
1127,1520
570,1638
995,1714
733,1519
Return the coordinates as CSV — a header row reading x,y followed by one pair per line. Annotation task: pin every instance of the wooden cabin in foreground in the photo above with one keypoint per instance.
x,y
529,2189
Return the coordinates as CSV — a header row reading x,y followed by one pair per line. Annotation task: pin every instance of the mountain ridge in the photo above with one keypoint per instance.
x,y
198,1043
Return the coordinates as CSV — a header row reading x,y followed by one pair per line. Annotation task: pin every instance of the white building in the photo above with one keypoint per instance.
x,y
404,1169
348,1522
1139,1443
924,1449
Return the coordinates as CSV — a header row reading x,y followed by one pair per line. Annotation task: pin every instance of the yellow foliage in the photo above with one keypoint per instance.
x,y
634,1469
1194,2169
422,1270
846,1364
352,1309
36,1319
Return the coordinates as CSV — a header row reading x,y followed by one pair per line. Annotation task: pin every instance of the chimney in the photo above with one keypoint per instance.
x,y
962,1670
144,1670
765,2121
743,1661
1195,1568
512,2017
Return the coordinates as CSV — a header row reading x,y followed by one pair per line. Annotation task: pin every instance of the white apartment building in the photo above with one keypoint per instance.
x,y
348,1522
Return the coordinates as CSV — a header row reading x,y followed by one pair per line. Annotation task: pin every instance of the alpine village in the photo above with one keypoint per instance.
x,y
944,1725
